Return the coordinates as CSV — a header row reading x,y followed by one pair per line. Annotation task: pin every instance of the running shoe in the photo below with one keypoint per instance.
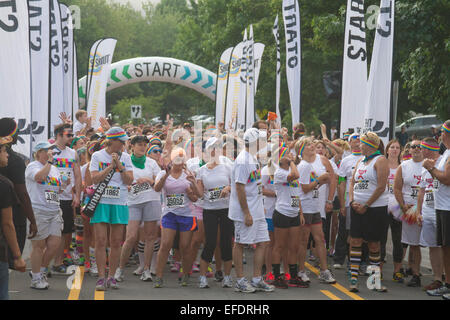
x,y
146,276
112,283
68,261
76,258
269,278
304,276
398,277
218,276
175,267
262,286
298,282
195,267
87,266
39,284
280,282
414,282
100,285
362,270
203,283
287,276
244,286
227,282
311,257
119,275
338,266
139,271
158,282
81,261
439,291
184,280
60,270
353,285
209,273
326,277
94,269
436,284
409,272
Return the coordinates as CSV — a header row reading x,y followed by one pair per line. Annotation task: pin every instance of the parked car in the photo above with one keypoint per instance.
x,y
420,126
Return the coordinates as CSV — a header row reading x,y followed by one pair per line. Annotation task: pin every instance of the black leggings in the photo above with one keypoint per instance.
x,y
212,220
396,235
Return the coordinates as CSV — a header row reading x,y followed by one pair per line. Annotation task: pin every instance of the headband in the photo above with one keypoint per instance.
x,y
369,143
447,129
302,147
282,152
75,140
429,146
14,130
117,135
153,147
155,139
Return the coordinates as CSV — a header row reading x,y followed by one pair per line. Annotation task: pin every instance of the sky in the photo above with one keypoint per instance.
x,y
137,4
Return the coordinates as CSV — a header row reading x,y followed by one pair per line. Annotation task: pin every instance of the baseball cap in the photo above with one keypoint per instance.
x,y
117,133
213,141
253,134
42,145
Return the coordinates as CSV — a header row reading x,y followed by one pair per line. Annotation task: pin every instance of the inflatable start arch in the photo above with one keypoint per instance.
x,y
157,69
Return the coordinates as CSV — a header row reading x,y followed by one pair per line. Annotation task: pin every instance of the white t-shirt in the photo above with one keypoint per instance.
x,y
411,174
430,185
268,183
288,193
310,200
214,180
117,192
346,171
65,162
174,193
442,194
45,195
320,169
247,171
366,181
140,193
78,126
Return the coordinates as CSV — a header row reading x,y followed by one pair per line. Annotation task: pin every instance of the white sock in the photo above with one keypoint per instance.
x,y
43,269
140,248
227,277
153,265
36,276
256,279
202,278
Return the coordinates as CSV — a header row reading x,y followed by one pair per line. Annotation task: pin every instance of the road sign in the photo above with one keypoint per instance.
x,y
136,112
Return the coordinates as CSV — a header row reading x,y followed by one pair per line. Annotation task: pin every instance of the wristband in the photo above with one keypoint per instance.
x,y
17,257
50,162
329,202
366,206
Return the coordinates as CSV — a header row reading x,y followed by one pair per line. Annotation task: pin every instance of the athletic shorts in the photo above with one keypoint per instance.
x,y
270,227
312,218
180,223
256,233
147,211
110,213
428,237
67,215
410,234
443,228
48,224
369,226
283,222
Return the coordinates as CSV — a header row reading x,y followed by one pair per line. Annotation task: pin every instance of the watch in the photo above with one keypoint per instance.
x,y
366,206
329,202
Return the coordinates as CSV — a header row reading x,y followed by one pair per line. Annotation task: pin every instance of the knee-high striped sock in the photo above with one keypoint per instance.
x,y
140,248
374,258
355,261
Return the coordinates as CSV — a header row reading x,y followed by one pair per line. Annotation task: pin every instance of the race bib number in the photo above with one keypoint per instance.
x,y
391,188
214,194
260,188
295,201
315,193
429,198
112,193
174,200
139,188
414,192
362,185
51,197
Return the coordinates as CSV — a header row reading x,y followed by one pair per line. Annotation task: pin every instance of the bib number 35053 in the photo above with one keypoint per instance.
x,y
175,200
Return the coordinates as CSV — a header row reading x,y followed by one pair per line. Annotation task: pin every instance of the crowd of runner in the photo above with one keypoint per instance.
x,y
197,197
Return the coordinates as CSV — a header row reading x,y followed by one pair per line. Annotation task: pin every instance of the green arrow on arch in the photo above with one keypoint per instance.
x,y
125,71
113,76
81,94
187,74
199,77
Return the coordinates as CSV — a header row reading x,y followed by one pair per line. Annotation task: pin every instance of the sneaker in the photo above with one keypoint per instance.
x,y
61,270
227,282
119,276
209,273
338,266
436,284
298,282
87,266
94,269
146,276
304,276
262,286
311,257
414,282
244,286
175,267
326,277
195,268
280,282
439,291
203,283
81,261
76,258
158,282
287,276
269,278
39,284
184,280
100,285
398,277
139,271
68,261
409,272
218,276
353,285
112,283
362,270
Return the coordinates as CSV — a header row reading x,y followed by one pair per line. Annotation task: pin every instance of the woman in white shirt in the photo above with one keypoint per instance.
x,y
144,206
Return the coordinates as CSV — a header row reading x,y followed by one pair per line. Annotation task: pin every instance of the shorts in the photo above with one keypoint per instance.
x,y
443,228
283,222
180,223
110,213
410,234
428,236
147,211
256,233
369,226
336,204
67,215
312,218
48,224
270,227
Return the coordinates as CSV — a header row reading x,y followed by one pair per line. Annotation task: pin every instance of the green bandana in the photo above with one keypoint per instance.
x,y
373,155
138,162
201,163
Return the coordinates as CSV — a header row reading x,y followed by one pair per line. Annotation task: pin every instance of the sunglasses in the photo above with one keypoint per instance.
x,y
355,137
157,151
68,134
415,146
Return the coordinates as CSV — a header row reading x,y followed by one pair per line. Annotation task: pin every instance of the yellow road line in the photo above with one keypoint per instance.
x,y
336,285
330,295
76,284
99,295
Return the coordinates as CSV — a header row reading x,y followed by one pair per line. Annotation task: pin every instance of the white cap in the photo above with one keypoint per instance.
x,y
211,142
253,134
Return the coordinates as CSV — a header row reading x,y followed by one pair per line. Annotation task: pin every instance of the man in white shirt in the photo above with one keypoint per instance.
x,y
247,212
